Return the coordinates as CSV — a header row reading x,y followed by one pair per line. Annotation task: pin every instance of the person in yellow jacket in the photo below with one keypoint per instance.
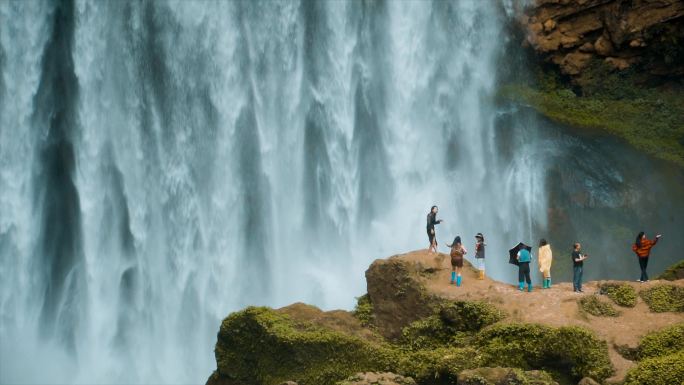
x,y
545,259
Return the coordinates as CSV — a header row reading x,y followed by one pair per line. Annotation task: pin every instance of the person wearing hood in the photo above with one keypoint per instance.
x,y
545,258
457,253
524,258
431,222
642,248
480,255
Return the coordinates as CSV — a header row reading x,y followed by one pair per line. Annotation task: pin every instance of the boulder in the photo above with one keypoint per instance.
x,y
375,378
504,376
588,381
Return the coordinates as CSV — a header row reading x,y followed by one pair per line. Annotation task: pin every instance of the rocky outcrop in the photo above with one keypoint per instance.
x,y
573,33
504,376
372,378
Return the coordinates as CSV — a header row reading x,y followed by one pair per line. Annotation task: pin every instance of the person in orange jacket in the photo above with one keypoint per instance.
x,y
642,247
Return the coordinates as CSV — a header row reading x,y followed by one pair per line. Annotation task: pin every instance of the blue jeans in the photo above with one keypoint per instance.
x,y
577,278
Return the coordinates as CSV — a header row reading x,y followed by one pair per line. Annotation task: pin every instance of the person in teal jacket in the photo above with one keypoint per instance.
x,y
524,258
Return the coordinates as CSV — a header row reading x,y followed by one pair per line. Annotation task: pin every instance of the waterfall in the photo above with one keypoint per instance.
x,y
165,163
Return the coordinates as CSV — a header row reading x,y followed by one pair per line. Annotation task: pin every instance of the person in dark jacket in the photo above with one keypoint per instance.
x,y
431,222
577,267
524,258
480,255
642,248
457,253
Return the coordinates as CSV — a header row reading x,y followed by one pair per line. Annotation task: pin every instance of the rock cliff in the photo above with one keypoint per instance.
x,y
413,326
621,33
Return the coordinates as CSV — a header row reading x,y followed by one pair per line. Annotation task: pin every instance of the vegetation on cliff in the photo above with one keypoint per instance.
x,y
593,305
664,298
661,358
621,293
674,272
650,120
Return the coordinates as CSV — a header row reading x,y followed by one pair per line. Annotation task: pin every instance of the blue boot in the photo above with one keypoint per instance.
x,y
521,285
544,284
548,283
529,287
453,277
458,281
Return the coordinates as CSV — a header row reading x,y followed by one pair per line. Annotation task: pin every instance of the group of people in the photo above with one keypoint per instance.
x,y
641,247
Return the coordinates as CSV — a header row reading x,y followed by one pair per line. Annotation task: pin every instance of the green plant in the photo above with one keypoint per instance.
x,y
594,306
664,298
364,311
664,370
662,342
621,293
674,272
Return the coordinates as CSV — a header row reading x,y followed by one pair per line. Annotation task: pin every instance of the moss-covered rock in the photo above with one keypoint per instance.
x,y
593,305
673,272
438,366
451,325
573,350
664,298
662,342
372,378
622,294
261,346
664,370
504,376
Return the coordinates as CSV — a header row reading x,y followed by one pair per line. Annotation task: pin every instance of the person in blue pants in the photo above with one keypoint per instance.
x,y
524,258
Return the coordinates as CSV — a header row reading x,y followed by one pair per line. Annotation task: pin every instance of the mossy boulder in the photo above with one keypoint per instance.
x,y
451,325
622,294
593,305
373,378
438,366
673,272
398,295
504,376
572,349
261,346
664,298
663,370
662,342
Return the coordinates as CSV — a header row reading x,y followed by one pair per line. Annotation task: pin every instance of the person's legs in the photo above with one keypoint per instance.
x,y
453,274
575,277
643,262
521,276
579,280
528,279
458,276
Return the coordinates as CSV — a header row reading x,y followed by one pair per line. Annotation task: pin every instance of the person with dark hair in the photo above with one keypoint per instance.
x,y
524,258
431,222
642,247
545,259
457,253
577,267
480,255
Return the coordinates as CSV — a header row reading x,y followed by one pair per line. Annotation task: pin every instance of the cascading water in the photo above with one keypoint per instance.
x,y
165,163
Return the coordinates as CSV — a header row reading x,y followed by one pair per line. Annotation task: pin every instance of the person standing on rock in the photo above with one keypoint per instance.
x,y
524,258
577,267
431,222
642,247
457,253
480,255
545,258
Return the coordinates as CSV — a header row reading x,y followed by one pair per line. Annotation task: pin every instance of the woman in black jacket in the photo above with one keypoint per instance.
x,y
431,222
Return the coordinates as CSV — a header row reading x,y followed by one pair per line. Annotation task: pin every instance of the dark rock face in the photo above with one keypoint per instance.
x,y
570,33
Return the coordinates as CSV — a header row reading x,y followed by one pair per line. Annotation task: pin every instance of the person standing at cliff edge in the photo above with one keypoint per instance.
x,y
545,258
524,258
642,247
431,222
457,253
577,267
480,255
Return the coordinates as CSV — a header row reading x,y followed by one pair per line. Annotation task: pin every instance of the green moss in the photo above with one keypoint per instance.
x,y
364,311
662,342
621,293
452,325
665,370
504,376
438,366
664,298
572,350
674,272
650,121
261,346
594,306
